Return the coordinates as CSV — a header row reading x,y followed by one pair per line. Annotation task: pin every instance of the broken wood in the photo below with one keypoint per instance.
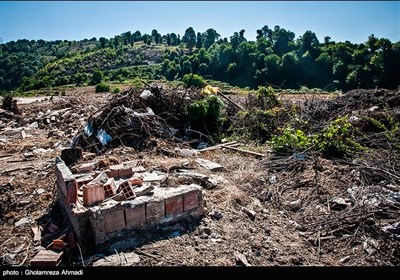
x,y
245,151
36,233
219,146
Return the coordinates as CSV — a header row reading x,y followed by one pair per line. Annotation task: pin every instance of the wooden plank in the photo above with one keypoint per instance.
x,y
246,151
218,146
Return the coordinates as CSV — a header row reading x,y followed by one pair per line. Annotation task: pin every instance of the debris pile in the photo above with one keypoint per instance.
x,y
136,120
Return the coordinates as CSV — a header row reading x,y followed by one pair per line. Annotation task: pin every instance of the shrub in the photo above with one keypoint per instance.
x,y
291,141
206,109
196,81
102,87
116,90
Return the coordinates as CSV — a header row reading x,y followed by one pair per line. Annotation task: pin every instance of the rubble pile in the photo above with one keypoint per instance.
x,y
113,200
136,120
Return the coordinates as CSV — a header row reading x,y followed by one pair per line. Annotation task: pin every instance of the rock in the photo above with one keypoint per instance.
x,y
22,222
295,205
241,259
250,213
338,203
206,230
297,226
273,179
120,259
187,152
215,214
344,260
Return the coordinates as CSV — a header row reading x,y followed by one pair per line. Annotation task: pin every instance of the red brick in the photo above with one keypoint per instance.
x,y
109,187
114,221
135,181
127,190
174,205
121,171
72,192
112,173
190,200
92,194
58,244
135,216
155,211
125,172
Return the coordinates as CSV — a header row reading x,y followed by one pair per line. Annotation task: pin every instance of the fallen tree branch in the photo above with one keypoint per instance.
x,y
219,146
245,151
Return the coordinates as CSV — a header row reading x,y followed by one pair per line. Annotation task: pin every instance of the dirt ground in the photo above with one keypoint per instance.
x,y
298,210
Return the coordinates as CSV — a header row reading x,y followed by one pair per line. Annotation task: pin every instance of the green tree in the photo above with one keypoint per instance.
x,y
189,38
103,42
210,37
97,77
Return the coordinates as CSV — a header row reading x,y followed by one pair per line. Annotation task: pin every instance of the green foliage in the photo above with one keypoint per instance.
x,y
136,83
267,98
275,58
197,110
291,141
256,124
206,109
337,140
97,77
102,87
196,80
116,90
387,124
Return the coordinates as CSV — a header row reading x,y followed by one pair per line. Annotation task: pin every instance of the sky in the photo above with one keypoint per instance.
x,y
76,20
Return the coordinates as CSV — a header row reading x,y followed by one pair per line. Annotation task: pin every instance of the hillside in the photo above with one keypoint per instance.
x,y
276,58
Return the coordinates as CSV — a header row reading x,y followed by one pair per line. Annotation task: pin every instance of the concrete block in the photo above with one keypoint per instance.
x,y
114,221
155,211
92,194
173,205
135,215
63,175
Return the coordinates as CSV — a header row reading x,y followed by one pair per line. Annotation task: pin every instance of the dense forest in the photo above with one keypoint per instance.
x,y
276,58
